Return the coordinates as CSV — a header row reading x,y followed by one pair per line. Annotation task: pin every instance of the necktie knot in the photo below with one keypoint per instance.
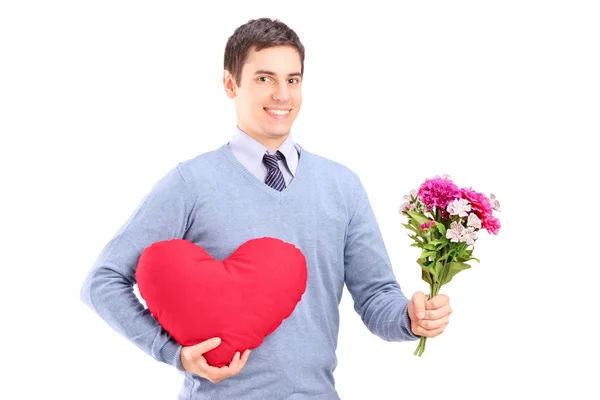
x,y
274,176
270,160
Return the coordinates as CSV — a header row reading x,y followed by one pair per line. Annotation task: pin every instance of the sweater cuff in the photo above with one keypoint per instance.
x,y
171,354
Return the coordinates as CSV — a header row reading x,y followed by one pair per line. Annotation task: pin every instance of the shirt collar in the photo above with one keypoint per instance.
x,y
243,144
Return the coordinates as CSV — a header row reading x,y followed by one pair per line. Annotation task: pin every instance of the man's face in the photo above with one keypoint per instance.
x,y
270,95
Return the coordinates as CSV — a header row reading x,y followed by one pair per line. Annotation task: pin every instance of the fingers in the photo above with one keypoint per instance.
x,y
198,350
439,313
244,359
437,301
214,374
418,301
430,333
431,325
435,315
239,362
234,365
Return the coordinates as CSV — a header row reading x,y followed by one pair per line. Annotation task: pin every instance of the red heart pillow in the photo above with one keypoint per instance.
x,y
241,299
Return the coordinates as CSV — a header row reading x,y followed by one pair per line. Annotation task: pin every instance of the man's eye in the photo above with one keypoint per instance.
x,y
293,80
263,79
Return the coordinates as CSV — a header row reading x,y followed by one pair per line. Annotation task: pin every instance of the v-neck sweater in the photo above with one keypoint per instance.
x,y
216,203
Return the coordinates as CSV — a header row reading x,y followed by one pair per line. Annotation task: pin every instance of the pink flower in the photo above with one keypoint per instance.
x,y
438,192
426,225
493,225
481,206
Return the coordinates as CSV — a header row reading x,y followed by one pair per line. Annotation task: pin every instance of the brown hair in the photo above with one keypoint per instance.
x,y
259,33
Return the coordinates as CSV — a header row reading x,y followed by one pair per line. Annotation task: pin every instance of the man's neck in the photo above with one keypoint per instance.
x,y
271,143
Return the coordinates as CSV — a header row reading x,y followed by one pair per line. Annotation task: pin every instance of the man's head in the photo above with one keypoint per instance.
x,y
264,64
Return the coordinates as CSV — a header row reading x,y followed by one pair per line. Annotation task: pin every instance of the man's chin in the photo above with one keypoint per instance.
x,y
276,133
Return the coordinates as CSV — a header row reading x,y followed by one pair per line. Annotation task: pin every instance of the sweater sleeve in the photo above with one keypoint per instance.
x,y
108,288
370,279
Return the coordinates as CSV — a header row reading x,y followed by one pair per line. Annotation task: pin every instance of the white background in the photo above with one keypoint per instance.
x,y
99,99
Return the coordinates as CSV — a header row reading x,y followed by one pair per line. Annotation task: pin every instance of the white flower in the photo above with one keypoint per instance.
x,y
406,207
494,203
474,221
410,196
469,235
459,207
455,232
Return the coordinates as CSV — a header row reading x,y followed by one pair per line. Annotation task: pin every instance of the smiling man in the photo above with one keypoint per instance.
x,y
267,101
263,184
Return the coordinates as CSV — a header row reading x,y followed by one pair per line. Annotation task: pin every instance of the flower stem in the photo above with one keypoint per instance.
x,y
434,289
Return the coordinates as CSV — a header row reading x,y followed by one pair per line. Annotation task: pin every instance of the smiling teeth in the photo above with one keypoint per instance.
x,y
278,112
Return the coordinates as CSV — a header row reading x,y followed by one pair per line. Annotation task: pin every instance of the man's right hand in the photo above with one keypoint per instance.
x,y
193,361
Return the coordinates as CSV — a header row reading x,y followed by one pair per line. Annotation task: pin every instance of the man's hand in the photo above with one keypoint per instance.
x,y
428,318
193,361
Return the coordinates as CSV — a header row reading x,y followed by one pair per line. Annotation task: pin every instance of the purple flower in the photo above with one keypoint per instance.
x,y
438,192
426,225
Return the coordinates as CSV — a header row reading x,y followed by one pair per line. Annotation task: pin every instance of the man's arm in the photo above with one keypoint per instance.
x,y
108,287
369,277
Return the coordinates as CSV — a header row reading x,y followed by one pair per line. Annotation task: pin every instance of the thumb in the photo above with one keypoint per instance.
x,y
203,347
418,301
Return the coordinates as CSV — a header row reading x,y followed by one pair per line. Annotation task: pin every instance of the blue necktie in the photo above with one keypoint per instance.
x,y
274,175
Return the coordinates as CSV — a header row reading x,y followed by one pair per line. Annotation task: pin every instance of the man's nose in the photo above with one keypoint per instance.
x,y
281,93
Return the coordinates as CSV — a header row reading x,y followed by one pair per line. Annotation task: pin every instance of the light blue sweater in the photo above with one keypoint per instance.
x,y
213,201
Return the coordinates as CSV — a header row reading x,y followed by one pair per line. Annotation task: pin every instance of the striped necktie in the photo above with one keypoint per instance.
x,y
274,175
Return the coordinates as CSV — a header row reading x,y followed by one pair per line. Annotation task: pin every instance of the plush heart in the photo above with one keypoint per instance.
x,y
241,299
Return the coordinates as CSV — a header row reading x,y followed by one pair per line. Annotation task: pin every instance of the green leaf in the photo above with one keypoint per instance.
x,y
445,256
439,243
426,277
415,224
409,226
453,268
426,270
426,254
419,217
441,228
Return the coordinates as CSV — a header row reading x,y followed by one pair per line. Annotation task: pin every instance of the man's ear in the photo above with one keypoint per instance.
x,y
229,84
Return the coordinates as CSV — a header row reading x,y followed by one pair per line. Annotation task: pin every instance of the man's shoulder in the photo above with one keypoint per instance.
x,y
330,167
200,165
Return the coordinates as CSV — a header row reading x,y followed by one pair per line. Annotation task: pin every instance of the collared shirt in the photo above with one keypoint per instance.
x,y
250,152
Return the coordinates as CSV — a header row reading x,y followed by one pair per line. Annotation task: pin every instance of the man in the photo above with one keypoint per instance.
x,y
263,184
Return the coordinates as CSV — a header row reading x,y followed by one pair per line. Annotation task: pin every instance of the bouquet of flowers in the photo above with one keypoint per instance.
x,y
444,222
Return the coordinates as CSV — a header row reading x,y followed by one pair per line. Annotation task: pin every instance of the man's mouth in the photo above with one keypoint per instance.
x,y
277,112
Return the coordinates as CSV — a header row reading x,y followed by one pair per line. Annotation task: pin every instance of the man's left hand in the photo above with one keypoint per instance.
x,y
429,317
